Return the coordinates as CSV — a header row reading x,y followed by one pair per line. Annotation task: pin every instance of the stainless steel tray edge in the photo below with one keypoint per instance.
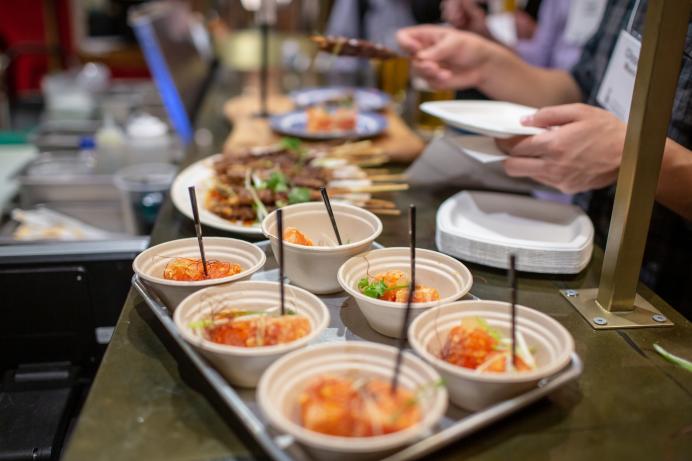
x,y
277,450
225,391
489,415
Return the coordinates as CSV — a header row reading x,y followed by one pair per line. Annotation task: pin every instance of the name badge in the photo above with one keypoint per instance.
x,y
615,93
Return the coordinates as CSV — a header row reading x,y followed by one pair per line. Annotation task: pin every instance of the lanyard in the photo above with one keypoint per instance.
x,y
630,22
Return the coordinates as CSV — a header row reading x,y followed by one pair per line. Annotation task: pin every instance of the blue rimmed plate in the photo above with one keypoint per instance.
x,y
368,124
366,99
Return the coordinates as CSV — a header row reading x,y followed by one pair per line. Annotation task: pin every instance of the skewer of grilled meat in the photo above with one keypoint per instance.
x,y
236,202
344,46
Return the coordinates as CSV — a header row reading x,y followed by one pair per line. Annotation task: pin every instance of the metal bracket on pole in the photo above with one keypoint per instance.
x,y
615,304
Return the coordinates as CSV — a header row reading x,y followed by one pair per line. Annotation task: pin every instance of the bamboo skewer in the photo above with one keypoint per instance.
x,y
375,160
376,171
379,203
374,178
375,188
384,211
388,177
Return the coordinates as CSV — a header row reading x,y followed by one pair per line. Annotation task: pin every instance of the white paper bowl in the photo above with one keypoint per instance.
x,y
314,268
475,391
243,366
150,264
283,382
450,277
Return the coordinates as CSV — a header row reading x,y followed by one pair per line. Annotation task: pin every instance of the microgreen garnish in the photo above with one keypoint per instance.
x,y
258,206
277,182
375,289
490,330
205,323
413,400
298,195
674,359
296,146
210,322
292,144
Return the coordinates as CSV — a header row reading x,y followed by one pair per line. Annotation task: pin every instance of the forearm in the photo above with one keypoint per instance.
x,y
675,181
506,77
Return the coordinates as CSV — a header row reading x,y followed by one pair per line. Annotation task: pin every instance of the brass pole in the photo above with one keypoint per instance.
x,y
615,303
654,89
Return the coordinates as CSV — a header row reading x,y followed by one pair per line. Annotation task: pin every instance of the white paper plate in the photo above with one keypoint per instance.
x,y
485,227
496,119
366,99
200,174
480,148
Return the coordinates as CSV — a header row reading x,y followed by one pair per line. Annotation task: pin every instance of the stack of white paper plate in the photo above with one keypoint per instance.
x,y
486,227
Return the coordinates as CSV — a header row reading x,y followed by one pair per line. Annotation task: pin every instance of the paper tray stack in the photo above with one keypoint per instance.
x,y
485,227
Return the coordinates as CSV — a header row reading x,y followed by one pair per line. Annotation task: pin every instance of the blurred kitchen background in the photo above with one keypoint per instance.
x,y
99,101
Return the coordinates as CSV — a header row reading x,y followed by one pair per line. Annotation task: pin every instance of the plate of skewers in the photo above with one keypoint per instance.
x,y
324,121
354,47
333,113
238,190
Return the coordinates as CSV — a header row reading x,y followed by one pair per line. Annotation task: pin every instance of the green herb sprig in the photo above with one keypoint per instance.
x,y
277,182
298,195
375,289
296,146
674,359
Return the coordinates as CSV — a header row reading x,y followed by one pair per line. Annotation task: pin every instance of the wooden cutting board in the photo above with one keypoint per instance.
x,y
398,142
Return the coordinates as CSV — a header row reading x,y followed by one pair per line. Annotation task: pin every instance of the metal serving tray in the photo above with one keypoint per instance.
x,y
346,324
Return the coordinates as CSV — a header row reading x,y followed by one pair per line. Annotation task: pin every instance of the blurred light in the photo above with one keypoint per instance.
x,y
254,5
251,5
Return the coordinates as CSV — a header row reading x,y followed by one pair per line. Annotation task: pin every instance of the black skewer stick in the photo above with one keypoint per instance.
x,y
409,301
327,203
198,227
513,287
280,230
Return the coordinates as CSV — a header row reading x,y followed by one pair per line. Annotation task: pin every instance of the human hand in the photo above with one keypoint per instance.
x,y
447,58
580,151
465,15
526,25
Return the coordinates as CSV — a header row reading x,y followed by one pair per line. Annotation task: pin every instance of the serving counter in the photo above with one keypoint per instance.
x,y
629,402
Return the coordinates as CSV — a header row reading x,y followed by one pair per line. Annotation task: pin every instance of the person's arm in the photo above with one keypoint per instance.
x,y
583,151
675,182
506,77
453,59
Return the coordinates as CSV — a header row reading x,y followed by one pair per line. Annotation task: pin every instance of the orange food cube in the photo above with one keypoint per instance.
x,y
293,235
257,331
349,408
191,270
421,294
